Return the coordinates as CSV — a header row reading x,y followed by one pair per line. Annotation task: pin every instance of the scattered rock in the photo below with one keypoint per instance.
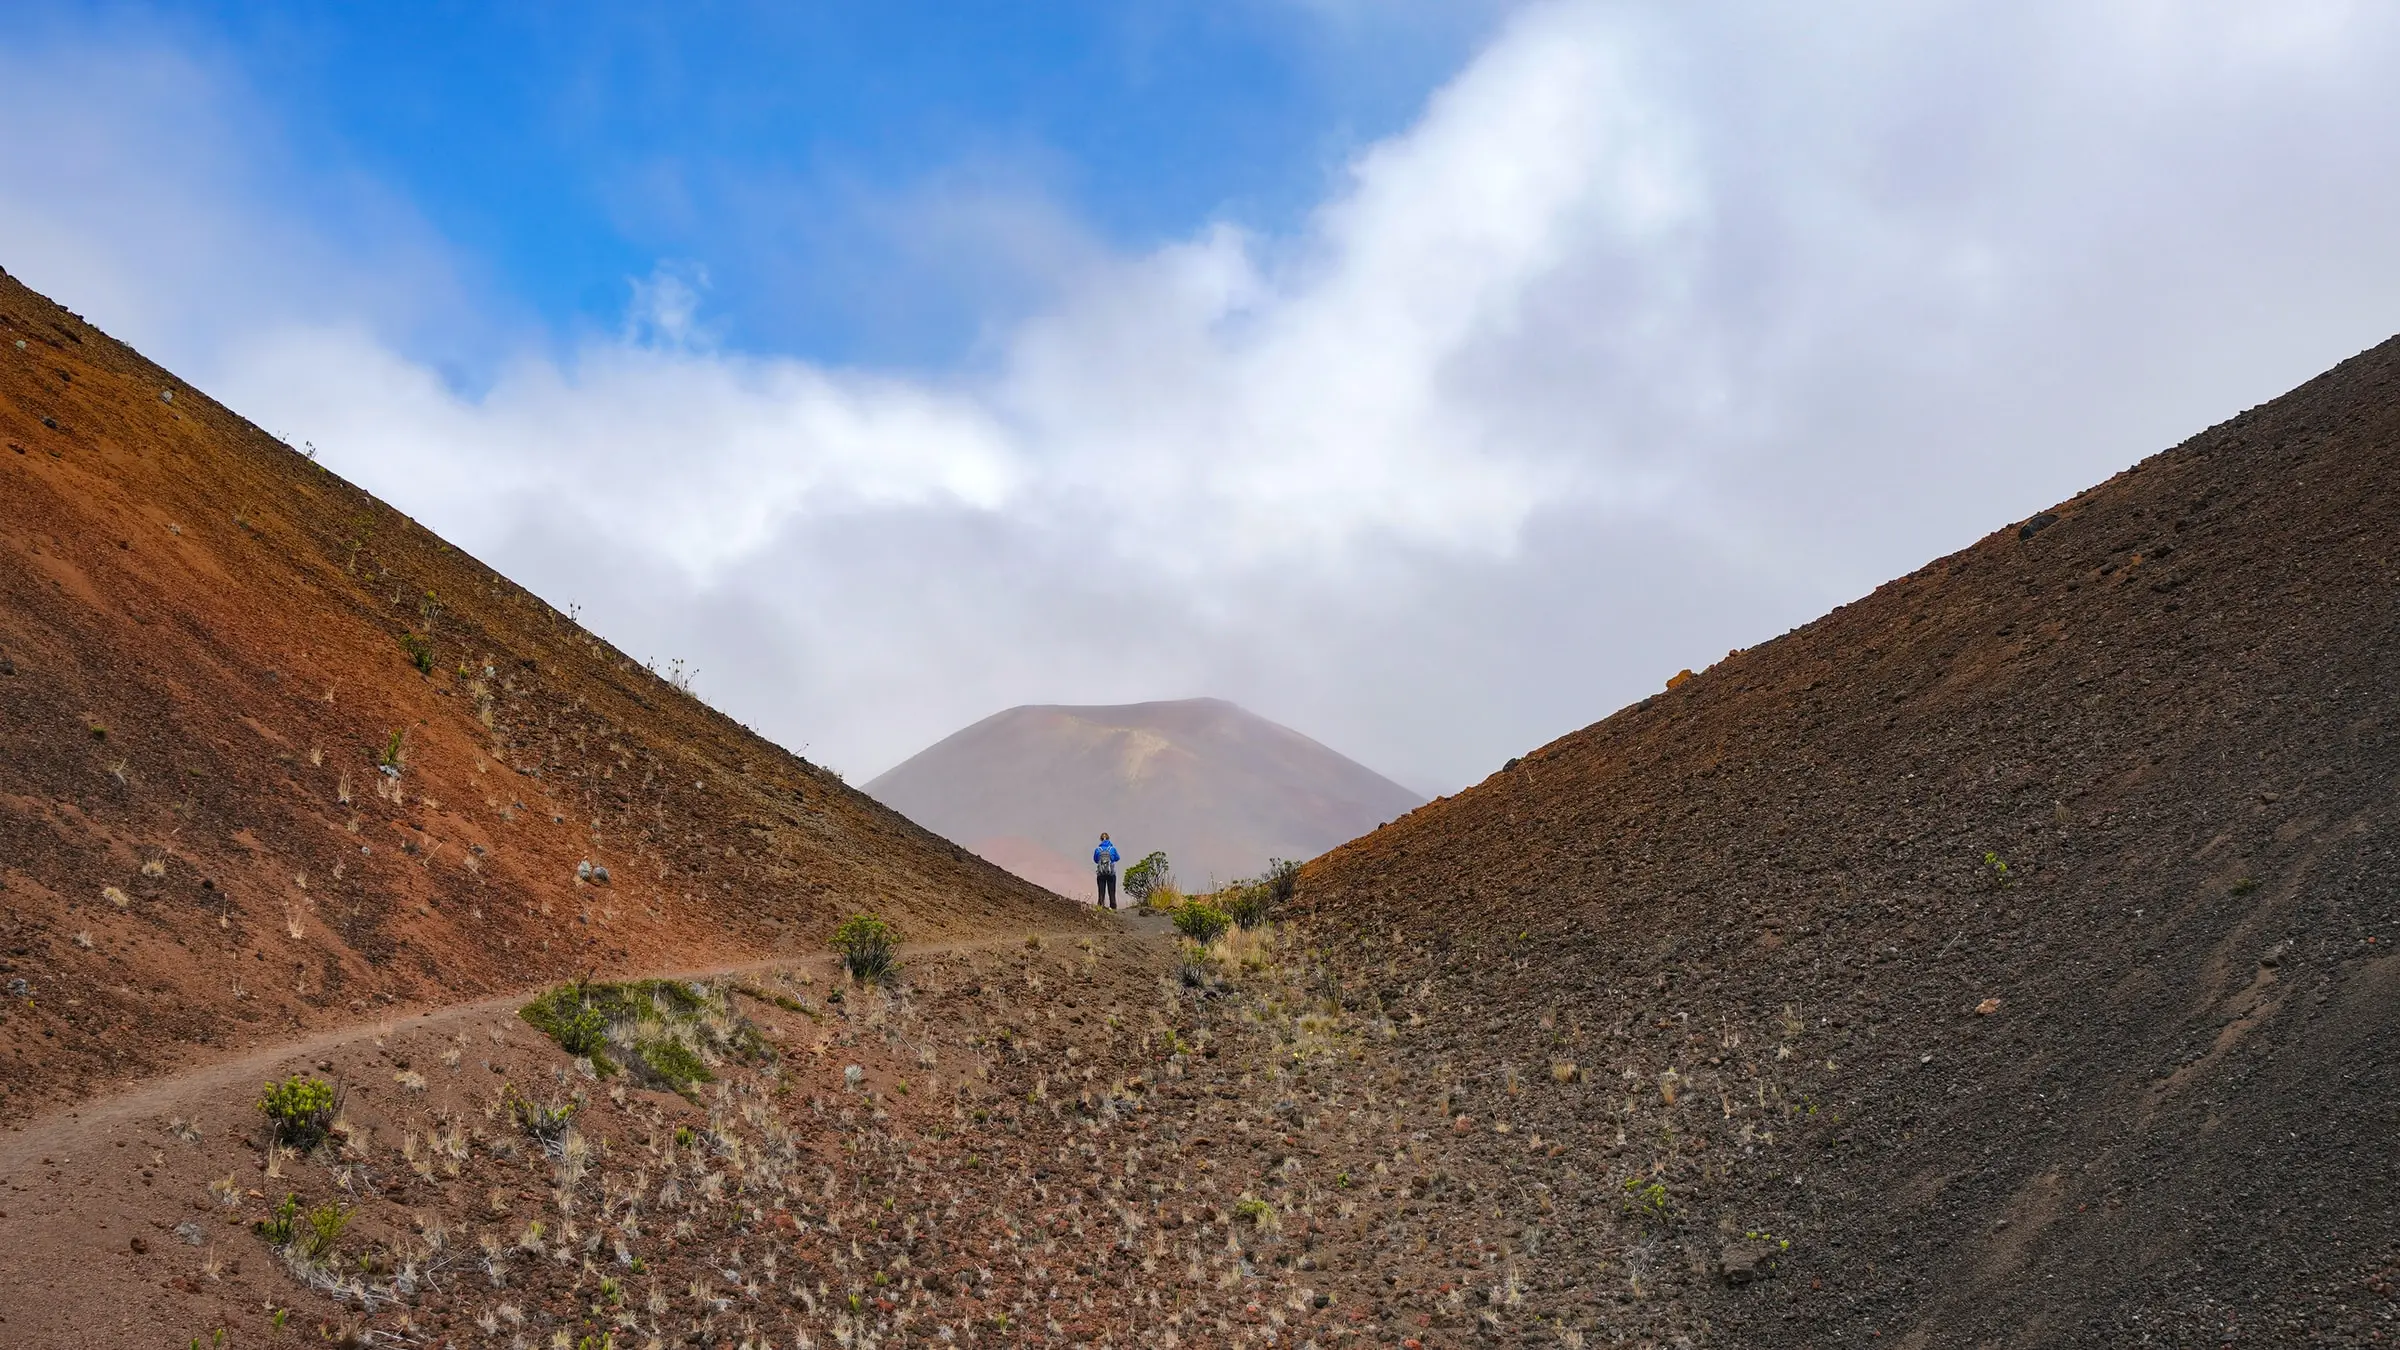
x,y
191,1233
1748,1261
1987,1007
140,1247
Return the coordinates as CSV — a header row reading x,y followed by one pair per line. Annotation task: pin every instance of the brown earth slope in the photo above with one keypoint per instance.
x,y
204,657
2015,943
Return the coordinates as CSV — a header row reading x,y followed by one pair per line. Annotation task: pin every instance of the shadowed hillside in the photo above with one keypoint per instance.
x,y
1219,789
2015,944
211,648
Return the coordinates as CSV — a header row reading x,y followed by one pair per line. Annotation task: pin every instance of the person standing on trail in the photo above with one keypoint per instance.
x,y
1104,870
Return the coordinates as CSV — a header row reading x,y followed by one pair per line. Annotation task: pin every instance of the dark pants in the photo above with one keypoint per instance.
x,y
1107,876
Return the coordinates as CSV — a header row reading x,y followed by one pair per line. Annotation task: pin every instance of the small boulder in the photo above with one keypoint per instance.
x,y
2036,525
191,1233
1748,1261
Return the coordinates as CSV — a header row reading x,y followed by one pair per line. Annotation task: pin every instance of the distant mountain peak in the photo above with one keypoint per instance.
x,y
1220,789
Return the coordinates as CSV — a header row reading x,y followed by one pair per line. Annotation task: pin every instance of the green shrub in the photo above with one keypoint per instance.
x,y
420,652
1149,876
674,1063
546,1123
1247,903
868,946
567,1015
310,1232
1201,921
299,1110
280,1227
1283,880
1647,1200
325,1225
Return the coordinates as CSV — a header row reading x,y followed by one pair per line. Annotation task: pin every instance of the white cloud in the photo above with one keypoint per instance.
x,y
1649,338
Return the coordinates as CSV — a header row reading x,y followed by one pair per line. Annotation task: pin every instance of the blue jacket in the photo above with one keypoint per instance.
x,y
1105,855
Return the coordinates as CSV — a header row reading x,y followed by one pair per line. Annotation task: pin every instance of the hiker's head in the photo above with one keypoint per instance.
x,y
1104,836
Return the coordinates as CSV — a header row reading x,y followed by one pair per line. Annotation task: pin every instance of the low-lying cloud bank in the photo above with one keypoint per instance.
x,y
1649,338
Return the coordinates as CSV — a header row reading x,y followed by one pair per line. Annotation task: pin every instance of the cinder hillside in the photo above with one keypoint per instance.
x,y
2015,944
208,645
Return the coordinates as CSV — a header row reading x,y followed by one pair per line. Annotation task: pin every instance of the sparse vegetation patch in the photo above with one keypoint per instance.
x,y
666,1033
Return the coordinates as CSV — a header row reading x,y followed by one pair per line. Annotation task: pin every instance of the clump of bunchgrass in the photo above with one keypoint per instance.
x,y
547,1124
1259,1213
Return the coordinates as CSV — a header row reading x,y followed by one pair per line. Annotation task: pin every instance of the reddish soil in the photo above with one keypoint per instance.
x,y
202,662
2016,943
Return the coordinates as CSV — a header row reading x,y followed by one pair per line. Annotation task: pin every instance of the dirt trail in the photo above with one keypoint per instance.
x,y
237,1073
99,1199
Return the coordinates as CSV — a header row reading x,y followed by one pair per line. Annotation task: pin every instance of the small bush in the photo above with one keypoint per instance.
x,y
1201,921
280,1227
325,1225
675,1063
299,1110
1247,903
869,946
1283,880
546,1123
1647,1200
1148,876
420,652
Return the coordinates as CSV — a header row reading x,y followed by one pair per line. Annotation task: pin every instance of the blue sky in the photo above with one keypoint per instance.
x,y
1433,378
562,150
